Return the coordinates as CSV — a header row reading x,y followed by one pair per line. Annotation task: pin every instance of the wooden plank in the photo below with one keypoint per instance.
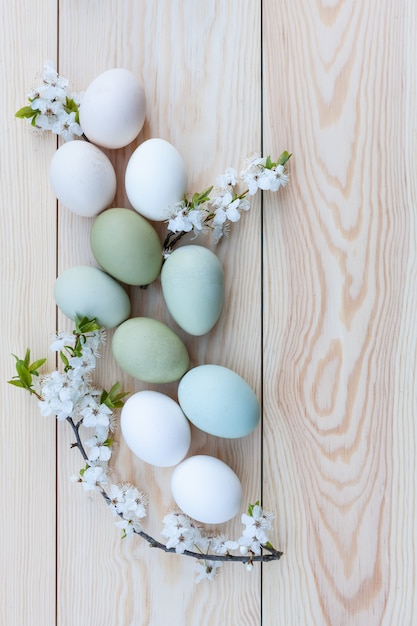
x,y
27,317
340,297
200,64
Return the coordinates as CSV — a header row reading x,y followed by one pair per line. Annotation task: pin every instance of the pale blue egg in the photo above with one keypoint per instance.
x,y
219,401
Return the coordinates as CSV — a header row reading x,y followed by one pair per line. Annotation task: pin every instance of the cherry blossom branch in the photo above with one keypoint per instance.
x,y
273,555
203,212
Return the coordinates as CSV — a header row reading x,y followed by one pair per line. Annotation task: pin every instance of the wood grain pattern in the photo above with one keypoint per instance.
x,y
27,316
335,317
321,286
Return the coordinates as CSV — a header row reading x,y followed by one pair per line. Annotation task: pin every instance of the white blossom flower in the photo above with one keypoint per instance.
x,y
229,178
249,544
222,545
100,450
84,363
127,500
257,523
93,478
258,176
96,339
66,126
135,501
45,121
256,526
61,340
179,220
181,532
252,173
220,230
206,570
129,524
116,498
196,217
228,208
47,107
130,503
55,86
281,177
95,415
60,394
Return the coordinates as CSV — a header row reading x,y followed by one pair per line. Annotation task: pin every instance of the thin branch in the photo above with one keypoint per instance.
x,y
273,555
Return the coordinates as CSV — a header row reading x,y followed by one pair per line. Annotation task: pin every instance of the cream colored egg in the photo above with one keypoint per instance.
x,y
155,178
113,109
206,489
155,429
82,178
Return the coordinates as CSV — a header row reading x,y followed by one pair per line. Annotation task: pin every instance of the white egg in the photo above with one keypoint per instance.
x,y
113,108
155,429
155,178
206,489
82,178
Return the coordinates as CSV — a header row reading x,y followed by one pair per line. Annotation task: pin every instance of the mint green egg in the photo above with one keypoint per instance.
x,y
219,401
192,282
88,291
126,246
150,351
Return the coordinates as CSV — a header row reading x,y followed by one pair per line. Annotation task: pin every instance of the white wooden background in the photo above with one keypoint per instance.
x,y
321,285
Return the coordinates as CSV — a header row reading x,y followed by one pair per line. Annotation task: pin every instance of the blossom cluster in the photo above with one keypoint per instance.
x,y
69,394
215,213
52,107
183,534
129,504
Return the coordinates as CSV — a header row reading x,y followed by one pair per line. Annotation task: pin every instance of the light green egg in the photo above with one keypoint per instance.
x,y
150,351
219,401
87,291
126,246
192,282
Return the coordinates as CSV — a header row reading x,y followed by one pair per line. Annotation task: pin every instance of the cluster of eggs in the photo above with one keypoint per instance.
x,y
128,250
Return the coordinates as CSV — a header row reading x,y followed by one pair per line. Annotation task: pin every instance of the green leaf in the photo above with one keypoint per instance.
x,y
283,158
24,374
33,368
118,404
64,359
268,163
204,196
26,112
27,358
269,545
84,469
114,390
251,507
71,107
113,399
85,325
16,383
